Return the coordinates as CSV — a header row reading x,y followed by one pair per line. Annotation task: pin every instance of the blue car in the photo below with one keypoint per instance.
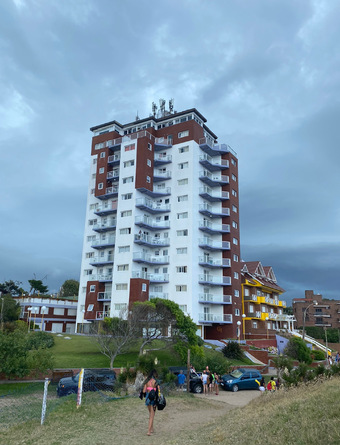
x,y
241,379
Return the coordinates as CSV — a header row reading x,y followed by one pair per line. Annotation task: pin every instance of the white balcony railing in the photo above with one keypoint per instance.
x,y
215,318
100,315
154,259
160,277
152,205
164,296
214,299
223,245
154,241
104,296
214,280
151,222
224,262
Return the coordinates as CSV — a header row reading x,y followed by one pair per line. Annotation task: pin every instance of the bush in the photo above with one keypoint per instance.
x,y
146,364
318,355
128,375
40,339
298,350
233,351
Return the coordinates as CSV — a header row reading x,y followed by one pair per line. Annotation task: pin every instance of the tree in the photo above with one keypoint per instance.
x,y
10,287
38,287
233,350
115,336
69,288
288,310
298,350
9,309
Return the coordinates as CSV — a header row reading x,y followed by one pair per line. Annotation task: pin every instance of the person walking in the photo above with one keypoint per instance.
x,y
181,380
151,390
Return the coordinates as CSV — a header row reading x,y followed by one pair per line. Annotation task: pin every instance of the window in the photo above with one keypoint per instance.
x,y
235,241
88,271
121,286
93,288
183,165
181,250
182,215
100,186
92,222
182,181
101,170
234,192
90,308
93,176
91,238
94,161
235,257
183,307
183,149
128,179
125,231
130,147
143,287
92,191
121,267
235,225
148,162
183,134
130,163
236,293
233,161
99,146
120,306
182,198
149,146
181,288
182,232
89,255
254,324
234,209
236,275
93,206
122,249
102,154
181,269
233,177
126,213
126,196
237,312
251,308
148,179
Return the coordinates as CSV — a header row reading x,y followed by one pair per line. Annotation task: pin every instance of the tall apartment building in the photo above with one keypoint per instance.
x,y
162,220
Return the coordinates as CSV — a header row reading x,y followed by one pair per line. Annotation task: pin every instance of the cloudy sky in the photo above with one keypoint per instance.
x,y
265,74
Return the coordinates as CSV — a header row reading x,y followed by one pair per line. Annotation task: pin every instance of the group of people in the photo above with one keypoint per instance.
x,y
210,381
271,386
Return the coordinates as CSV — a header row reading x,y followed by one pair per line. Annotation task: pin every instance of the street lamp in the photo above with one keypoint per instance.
x,y
43,312
315,303
267,326
238,330
243,326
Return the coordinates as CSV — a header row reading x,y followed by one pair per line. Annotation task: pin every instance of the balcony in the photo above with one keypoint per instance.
x,y
208,146
151,224
147,240
162,159
162,295
251,298
161,176
104,296
214,212
213,263
113,175
103,278
110,192
214,299
152,277
213,179
105,227
142,257
110,241
208,227
210,280
101,260
151,206
106,209
157,192
215,318
209,244
100,315
209,194
161,143
213,164
114,159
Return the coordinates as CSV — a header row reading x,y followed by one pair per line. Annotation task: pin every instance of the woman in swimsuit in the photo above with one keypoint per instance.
x,y
151,389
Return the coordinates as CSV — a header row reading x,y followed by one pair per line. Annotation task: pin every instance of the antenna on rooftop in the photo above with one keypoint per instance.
x,y
154,108
162,107
137,117
171,105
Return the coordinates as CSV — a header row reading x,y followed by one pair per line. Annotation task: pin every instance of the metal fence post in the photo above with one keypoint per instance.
x,y
43,411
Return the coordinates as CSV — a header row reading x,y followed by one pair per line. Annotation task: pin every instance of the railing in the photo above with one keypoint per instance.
x,y
211,298
218,147
111,190
214,176
104,296
100,315
165,175
142,256
103,277
104,242
162,295
152,240
212,161
162,157
114,158
165,190
150,276
102,259
210,192
221,211
163,141
151,222
311,340
106,207
212,318
113,174
216,227
110,224
224,245
224,262
130,137
214,280
152,205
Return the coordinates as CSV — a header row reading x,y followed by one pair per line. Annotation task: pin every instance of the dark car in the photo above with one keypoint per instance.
x,y
94,380
196,385
241,379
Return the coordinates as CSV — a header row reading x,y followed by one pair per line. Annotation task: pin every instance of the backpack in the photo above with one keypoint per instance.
x,y
152,395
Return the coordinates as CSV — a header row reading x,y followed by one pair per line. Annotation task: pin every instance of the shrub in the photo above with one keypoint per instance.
x,y
318,355
298,350
128,375
233,350
145,364
40,339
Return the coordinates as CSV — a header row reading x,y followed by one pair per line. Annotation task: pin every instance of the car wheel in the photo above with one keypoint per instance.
x,y
234,388
71,391
197,389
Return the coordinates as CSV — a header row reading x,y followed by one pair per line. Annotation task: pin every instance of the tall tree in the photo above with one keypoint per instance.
x,y
69,288
37,286
10,287
9,309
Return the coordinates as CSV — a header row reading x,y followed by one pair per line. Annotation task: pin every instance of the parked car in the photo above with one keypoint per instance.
x,y
94,380
196,384
241,379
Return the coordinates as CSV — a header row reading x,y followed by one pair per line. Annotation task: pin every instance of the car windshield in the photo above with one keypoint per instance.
x,y
237,373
